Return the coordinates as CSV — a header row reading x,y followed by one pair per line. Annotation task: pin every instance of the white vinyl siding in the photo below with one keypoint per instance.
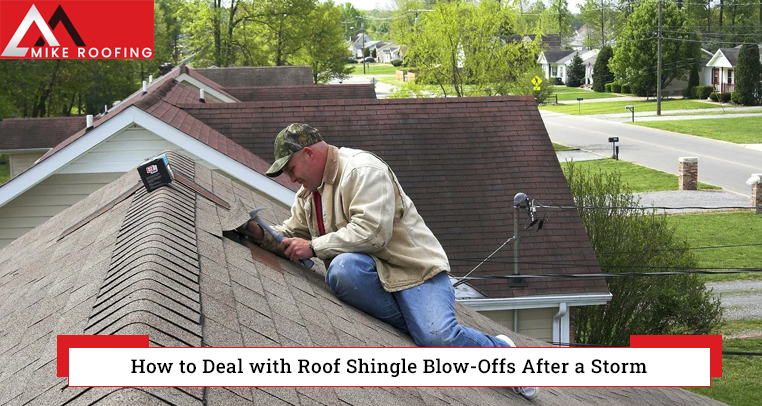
x,y
20,162
45,200
122,152
535,323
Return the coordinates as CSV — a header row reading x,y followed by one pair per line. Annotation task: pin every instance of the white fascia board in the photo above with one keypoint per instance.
x,y
536,302
190,79
69,153
719,61
541,59
24,151
226,164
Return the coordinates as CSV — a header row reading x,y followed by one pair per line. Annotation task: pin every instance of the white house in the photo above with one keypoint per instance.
x,y
722,69
387,53
556,63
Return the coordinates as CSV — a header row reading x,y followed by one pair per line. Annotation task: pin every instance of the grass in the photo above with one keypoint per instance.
x,y
373,69
571,93
740,130
559,147
5,169
741,375
637,178
389,80
618,106
713,229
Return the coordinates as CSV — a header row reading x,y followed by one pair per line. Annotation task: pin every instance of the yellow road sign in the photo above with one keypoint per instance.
x,y
536,82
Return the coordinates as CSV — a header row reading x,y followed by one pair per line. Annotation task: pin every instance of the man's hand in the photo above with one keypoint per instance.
x,y
296,248
253,231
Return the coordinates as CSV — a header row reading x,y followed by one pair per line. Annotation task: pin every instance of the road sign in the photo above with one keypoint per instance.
x,y
536,82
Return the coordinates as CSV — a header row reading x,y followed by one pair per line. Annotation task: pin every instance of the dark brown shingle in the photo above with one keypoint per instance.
x,y
461,160
311,92
34,133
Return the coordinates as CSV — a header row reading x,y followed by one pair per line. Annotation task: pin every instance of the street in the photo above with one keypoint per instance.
x,y
721,163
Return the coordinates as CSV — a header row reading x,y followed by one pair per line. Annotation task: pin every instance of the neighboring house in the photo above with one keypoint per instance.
x,y
705,76
556,64
388,52
723,65
461,162
259,76
25,140
578,42
549,41
140,127
311,92
158,264
359,43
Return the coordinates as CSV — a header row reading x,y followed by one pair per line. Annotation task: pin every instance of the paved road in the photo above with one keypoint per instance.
x,y
720,163
382,89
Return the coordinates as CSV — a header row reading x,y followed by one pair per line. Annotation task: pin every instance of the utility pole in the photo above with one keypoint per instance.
x,y
658,69
363,47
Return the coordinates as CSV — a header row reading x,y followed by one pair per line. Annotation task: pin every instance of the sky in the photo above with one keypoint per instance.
x,y
388,4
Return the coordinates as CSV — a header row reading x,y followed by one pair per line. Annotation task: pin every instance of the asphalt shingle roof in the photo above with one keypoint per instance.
x,y
259,76
32,133
461,160
556,56
157,264
310,92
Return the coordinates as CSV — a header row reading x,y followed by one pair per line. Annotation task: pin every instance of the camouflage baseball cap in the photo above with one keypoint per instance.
x,y
290,140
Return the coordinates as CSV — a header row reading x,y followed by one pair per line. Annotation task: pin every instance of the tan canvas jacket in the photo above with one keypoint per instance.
x,y
366,211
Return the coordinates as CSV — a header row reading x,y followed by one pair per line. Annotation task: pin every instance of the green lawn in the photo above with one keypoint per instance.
x,y
637,178
5,170
741,130
373,69
713,229
618,106
741,381
571,93
559,147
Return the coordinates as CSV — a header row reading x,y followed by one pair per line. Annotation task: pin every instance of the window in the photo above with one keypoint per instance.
x,y
715,76
554,71
730,76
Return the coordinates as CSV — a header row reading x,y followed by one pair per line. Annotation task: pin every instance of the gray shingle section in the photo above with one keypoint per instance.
x,y
183,284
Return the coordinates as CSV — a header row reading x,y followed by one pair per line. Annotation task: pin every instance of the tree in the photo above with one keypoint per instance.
x,y
748,73
693,81
524,86
351,19
284,24
325,50
598,16
459,44
576,75
601,72
635,55
627,240
557,19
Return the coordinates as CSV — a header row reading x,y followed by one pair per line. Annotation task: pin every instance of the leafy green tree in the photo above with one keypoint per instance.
x,y
557,19
748,73
325,50
530,20
693,81
599,17
459,47
351,19
524,86
284,24
635,55
575,77
627,240
601,72
209,27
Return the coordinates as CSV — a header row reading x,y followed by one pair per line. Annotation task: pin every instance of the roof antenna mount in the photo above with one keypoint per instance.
x,y
201,98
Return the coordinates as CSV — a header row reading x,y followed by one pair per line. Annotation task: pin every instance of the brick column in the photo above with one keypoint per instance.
x,y
756,192
688,173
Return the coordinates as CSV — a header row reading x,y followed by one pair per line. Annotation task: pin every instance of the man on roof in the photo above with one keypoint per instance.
x,y
381,258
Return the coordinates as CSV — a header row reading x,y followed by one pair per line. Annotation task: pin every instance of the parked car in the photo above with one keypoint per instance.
x,y
350,60
369,59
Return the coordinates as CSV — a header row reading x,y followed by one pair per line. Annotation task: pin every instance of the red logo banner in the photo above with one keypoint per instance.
x,y
64,342
85,29
713,342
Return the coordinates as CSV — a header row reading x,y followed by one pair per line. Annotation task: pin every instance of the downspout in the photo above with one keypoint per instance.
x,y
561,324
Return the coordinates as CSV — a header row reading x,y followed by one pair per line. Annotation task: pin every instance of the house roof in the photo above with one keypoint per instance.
x,y
549,41
259,76
157,263
158,101
461,160
558,56
37,133
309,92
731,54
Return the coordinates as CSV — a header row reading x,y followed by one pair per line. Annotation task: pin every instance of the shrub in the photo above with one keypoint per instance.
x,y
735,98
616,87
713,97
628,240
601,72
607,87
724,97
626,88
748,71
688,93
396,62
702,92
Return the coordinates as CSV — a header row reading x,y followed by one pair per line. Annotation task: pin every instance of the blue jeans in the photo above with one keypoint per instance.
x,y
426,312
